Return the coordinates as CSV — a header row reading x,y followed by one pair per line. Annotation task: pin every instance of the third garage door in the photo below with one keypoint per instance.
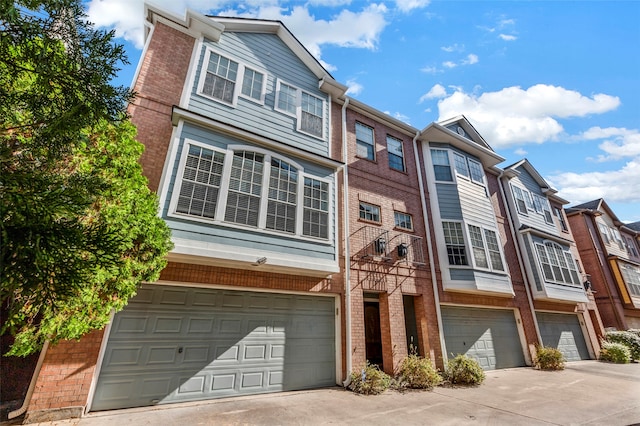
x,y
175,344
563,332
488,335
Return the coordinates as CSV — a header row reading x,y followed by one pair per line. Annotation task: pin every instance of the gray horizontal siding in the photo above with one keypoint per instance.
x,y
449,202
267,53
461,274
533,218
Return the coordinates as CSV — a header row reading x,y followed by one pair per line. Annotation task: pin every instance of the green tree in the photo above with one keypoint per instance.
x,y
79,226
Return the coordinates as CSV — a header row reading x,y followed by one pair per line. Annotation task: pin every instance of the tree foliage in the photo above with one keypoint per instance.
x,y
79,226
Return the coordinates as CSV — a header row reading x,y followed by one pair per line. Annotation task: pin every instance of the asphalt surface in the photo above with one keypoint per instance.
x,y
585,393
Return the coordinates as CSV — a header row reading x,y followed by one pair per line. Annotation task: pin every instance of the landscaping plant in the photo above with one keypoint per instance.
x,y
370,380
615,352
549,359
418,373
463,370
627,338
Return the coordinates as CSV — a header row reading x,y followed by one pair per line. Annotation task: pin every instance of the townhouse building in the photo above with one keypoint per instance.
x,y
564,307
611,255
313,234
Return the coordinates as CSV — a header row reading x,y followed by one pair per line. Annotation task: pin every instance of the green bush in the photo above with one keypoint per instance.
x,y
627,338
549,358
418,373
370,380
463,370
635,331
615,352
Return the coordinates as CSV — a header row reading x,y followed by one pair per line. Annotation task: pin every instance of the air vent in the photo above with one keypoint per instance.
x,y
460,131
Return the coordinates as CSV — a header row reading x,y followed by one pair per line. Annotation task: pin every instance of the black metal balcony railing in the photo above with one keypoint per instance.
x,y
376,244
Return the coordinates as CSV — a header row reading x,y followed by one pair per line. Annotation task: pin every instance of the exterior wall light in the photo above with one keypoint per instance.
x,y
403,250
260,261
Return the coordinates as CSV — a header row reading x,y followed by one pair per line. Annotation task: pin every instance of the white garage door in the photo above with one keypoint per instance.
x,y
175,344
563,332
488,335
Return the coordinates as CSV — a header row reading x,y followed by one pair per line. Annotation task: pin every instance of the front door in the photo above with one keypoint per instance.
x,y
372,335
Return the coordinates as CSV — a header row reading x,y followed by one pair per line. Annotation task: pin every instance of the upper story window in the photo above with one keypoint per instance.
x,y
251,188
441,166
604,231
557,264
396,156
560,216
454,240
631,247
305,107
541,205
222,77
486,249
369,212
365,145
617,237
475,168
631,275
403,221
460,163
518,195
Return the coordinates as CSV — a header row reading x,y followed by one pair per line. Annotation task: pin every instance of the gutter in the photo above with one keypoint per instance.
x,y
347,249
27,399
434,283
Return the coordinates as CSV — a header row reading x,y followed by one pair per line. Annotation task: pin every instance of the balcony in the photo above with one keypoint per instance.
x,y
373,244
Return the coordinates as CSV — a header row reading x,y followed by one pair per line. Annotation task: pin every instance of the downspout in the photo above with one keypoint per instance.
x,y
434,283
520,252
27,399
347,248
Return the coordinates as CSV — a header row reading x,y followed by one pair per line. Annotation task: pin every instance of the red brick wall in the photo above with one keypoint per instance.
x,y
159,86
66,373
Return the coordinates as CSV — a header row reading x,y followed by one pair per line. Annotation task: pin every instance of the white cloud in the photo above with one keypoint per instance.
x,y
449,64
471,59
521,152
453,48
508,37
619,143
408,5
437,91
346,29
429,70
615,186
513,116
354,88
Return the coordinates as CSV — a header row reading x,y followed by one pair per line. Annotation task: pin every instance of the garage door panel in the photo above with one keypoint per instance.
x,y
563,332
162,352
488,335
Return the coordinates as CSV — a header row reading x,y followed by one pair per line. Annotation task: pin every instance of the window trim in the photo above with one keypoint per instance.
x,y
632,287
219,215
364,219
487,251
389,154
604,232
566,256
360,141
237,91
560,215
433,165
298,105
465,245
395,220
479,164
515,190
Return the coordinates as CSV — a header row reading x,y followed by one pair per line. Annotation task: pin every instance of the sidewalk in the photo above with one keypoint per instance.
x,y
585,393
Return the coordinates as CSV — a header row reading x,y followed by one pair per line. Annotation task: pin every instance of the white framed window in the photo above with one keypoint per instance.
x,y
365,145
486,248
454,240
307,108
477,174
557,263
460,164
403,221
369,212
631,247
250,187
441,166
604,231
518,195
394,151
224,80
563,223
541,205
617,237
631,276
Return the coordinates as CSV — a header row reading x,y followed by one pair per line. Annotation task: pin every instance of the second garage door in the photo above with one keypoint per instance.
x,y
175,344
488,335
563,332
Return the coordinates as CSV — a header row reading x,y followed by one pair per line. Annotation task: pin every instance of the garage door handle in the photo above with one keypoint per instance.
x,y
180,349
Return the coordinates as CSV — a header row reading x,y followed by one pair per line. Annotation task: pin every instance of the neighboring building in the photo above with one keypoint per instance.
x,y
611,256
566,314
483,303
391,293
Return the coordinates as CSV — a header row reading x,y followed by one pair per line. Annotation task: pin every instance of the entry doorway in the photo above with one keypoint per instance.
x,y
372,333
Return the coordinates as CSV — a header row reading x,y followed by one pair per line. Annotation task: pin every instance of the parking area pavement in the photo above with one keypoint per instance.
x,y
585,393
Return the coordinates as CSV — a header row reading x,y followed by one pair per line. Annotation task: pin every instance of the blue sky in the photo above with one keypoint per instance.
x,y
555,82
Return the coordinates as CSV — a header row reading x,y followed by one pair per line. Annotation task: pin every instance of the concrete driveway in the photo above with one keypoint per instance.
x,y
585,393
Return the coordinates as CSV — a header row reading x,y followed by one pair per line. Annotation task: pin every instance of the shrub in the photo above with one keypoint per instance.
x,y
615,352
635,331
463,370
418,373
627,338
549,358
370,381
